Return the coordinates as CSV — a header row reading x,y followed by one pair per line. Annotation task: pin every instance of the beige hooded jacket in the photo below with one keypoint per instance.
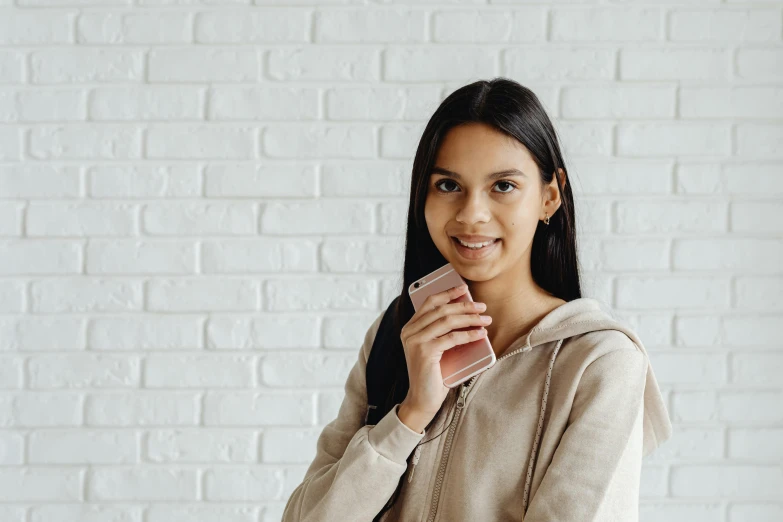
x,y
554,431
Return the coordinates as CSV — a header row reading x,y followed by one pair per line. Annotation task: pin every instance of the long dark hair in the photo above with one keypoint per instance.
x,y
516,111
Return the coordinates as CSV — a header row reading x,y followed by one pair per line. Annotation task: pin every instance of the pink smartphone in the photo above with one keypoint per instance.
x,y
460,363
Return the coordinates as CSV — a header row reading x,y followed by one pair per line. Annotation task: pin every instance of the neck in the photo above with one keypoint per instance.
x,y
515,303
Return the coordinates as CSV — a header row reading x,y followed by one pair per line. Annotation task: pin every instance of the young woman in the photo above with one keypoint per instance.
x,y
556,430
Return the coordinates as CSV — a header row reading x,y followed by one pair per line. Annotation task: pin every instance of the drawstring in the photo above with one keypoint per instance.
x,y
533,454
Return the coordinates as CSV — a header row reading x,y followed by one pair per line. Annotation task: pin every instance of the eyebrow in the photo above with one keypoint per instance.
x,y
494,175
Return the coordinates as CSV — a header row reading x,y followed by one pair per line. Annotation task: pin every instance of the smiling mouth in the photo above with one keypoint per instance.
x,y
474,254
457,241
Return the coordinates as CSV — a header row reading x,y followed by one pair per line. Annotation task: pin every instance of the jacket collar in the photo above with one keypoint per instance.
x,y
584,315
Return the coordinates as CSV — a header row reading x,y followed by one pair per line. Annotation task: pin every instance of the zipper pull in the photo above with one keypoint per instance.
x,y
416,455
463,392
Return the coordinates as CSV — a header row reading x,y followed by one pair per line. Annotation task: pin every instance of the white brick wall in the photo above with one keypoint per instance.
x,y
198,200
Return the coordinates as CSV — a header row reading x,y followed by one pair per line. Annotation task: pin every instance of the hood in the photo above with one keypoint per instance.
x,y
585,315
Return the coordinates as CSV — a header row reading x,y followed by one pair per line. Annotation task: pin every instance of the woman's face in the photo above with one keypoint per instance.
x,y
508,207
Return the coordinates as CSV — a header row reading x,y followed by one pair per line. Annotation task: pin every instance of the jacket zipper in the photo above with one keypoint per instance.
x,y
447,448
447,445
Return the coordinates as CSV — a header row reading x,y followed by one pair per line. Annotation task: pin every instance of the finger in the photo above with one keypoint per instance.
x,y
436,314
445,324
432,303
430,311
441,298
456,338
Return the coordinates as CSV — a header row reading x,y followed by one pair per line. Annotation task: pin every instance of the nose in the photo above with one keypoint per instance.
x,y
474,209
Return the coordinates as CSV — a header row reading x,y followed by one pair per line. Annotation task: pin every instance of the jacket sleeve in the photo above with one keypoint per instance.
x,y
594,472
356,468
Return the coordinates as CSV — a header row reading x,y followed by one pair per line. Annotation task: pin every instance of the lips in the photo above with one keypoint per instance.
x,y
474,239
475,253
474,242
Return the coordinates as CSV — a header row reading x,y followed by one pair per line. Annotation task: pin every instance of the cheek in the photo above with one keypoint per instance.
x,y
432,218
521,227
428,212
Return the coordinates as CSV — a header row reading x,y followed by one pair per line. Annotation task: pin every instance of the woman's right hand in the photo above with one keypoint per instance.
x,y
429,333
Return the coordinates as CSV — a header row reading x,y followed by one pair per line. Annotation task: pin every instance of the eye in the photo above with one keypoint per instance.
x,y
437,185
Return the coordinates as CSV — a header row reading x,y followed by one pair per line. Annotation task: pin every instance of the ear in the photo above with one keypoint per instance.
x,y
552,200
563,178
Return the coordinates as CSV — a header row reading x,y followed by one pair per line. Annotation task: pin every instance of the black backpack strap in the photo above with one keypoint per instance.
x,y
380,379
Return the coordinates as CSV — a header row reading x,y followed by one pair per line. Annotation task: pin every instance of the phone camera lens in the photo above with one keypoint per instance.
x,y
415,285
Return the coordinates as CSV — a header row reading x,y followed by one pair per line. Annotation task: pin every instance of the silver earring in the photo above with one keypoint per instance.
x,y
546,218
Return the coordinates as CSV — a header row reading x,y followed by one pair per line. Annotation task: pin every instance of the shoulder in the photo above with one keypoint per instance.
x,y
610,348
606,341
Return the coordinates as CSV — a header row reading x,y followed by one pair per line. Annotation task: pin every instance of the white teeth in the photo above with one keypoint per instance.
x,y
475,246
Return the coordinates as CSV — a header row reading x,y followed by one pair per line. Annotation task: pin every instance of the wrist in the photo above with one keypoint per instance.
x,y
412,418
